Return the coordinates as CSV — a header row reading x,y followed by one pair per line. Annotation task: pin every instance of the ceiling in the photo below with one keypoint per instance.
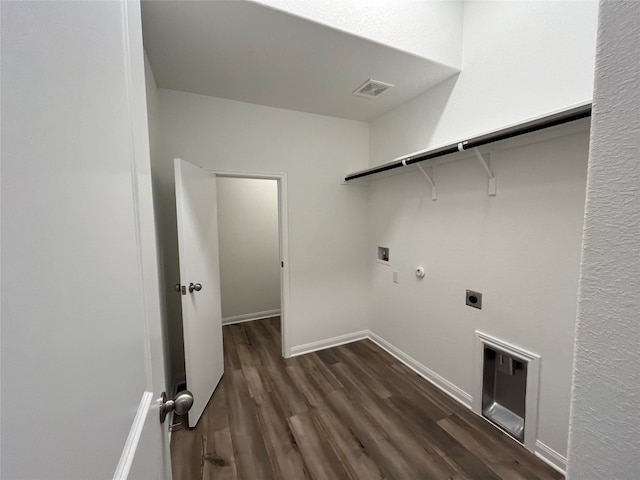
x,y
252,53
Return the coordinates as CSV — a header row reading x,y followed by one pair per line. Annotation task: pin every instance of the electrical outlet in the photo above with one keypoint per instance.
x,y
473,299
395,277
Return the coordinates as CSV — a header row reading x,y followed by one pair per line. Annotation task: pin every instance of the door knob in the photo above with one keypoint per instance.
x,y
195,286
180,404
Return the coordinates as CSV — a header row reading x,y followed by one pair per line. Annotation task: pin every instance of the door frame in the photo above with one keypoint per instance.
x,y
283,230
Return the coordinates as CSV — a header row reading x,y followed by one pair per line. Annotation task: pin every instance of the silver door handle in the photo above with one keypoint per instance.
x,y
180,404
194,286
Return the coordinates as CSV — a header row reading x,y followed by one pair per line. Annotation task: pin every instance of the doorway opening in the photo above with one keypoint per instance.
x,y
253,248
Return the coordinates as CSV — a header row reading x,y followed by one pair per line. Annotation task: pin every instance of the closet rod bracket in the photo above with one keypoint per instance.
x,y
434,189
485,165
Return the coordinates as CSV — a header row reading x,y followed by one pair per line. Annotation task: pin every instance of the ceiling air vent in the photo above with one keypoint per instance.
x,y
372,88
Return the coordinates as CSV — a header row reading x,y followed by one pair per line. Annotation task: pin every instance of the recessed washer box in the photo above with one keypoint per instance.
x,y
383,255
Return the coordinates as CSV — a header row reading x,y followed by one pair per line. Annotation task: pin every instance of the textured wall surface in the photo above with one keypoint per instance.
x,y
604,439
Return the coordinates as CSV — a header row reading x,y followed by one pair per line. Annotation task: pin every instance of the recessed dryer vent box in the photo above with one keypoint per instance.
x,y
504,388
383,255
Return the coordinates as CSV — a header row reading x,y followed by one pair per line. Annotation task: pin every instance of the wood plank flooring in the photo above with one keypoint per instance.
x,y
349,412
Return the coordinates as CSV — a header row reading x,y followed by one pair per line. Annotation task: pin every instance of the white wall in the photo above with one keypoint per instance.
x,y
521,249
248,234
604,440
327,224
171,310
520,60
431,29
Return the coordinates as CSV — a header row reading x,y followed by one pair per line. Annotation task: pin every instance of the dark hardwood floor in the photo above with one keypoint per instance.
x,y
349,412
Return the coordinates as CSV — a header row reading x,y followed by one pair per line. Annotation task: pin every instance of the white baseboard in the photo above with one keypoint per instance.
x,y
249,317
542,451
432,377
551,457
328,343
447,387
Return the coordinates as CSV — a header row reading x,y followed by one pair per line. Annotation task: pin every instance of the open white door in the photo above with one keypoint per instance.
x,y
200,280
82,358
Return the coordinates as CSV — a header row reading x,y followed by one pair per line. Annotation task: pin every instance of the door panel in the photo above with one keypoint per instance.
x,y
199,264
81,338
